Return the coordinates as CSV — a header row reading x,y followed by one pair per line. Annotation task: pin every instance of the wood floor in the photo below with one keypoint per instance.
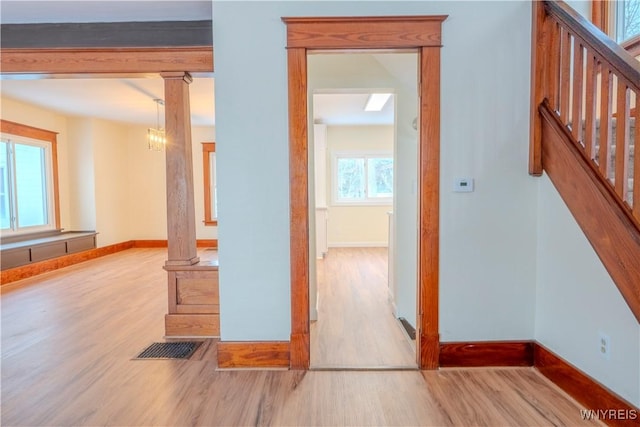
x,y
356,327
68,339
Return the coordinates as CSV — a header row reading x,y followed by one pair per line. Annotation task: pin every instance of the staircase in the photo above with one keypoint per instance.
x,y
611,157
581,76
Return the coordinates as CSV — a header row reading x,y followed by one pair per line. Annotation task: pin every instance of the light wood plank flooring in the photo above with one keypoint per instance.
x,y
356,327
68,339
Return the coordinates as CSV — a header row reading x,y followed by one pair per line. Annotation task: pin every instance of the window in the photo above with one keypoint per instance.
x,y
210,186
28,179
362,178
627,20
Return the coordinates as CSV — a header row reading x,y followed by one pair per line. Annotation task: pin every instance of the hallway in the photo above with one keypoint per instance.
x,y
356,327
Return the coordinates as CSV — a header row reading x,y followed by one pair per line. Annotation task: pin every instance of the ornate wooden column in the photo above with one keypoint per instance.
x,y
192,286
181,219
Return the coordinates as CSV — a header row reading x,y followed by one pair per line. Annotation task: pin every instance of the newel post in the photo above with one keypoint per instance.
x,y
538,85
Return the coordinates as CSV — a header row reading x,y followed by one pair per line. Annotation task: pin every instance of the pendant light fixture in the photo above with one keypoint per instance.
x,y
156,137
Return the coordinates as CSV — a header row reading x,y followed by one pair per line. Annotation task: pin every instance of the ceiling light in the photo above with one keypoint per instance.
x,y
156,137
376,101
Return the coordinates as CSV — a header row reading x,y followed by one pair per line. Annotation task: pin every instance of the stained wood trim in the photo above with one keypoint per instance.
x,y
369,33
201,243
632,46
581,387
600,14
207,147
19,273
299,198
486,353
193,59
36,268
192,325
605,220
27,131
181,224
621,63
364,32
256,354
429,214
538,85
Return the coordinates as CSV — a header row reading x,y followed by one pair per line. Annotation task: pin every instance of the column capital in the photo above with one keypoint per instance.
x,y
176,75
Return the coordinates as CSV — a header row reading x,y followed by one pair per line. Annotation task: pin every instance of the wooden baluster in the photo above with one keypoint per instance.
x,y
554,63
539,85
565,75
578,71
636,162
622,140
605,119
590,106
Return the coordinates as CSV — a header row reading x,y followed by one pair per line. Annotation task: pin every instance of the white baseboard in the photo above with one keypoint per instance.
x,y
358,245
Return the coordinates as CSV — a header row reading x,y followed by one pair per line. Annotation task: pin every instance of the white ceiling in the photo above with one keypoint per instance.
x,y
122,100
48,11
348,109
131,100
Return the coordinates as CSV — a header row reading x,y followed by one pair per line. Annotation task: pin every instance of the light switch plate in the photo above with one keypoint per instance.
x,y
463,185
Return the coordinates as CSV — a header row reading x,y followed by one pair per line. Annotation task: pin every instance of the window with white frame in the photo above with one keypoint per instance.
x,y
27,199
362,178
627,20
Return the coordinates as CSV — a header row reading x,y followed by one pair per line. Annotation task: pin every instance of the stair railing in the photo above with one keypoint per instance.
x,y
592,86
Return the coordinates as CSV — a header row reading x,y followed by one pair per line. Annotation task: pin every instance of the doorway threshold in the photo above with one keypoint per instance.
x,y
364,368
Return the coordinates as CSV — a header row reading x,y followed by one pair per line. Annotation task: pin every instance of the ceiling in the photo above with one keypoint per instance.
x,y
127,100
30,11
130,100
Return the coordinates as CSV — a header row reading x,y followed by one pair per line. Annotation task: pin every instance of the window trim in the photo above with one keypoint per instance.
x,y
601,14
207,149
26,131
359,154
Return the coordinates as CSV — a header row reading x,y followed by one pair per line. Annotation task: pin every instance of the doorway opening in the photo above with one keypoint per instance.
x,y
363,174
353,34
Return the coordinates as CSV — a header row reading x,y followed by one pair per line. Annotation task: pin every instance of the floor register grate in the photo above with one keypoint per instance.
x,y
169,350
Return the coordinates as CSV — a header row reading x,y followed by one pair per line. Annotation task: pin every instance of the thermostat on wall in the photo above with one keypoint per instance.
x,y
463,185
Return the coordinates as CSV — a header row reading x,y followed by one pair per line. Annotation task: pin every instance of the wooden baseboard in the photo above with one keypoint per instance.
x,y
192,325
149,243
162,243
607,406
254,354
30,270
486,353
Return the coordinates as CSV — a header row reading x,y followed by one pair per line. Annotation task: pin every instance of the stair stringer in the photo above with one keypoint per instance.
x,y
605,220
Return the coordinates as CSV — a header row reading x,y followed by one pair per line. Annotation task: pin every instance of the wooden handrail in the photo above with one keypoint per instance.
x,y
618,58
585,125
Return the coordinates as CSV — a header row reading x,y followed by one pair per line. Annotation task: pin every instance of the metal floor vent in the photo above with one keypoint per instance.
x,y
169,350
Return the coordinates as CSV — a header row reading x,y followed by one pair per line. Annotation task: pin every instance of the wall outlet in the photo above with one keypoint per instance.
x,y
604,345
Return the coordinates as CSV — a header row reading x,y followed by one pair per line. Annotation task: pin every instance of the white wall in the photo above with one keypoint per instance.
x,y
487,270
353,226
200,134
147,191
109,181
81,173
576,300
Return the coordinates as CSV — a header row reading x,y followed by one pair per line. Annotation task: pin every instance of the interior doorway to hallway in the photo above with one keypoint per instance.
x,y
363,209
395,33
